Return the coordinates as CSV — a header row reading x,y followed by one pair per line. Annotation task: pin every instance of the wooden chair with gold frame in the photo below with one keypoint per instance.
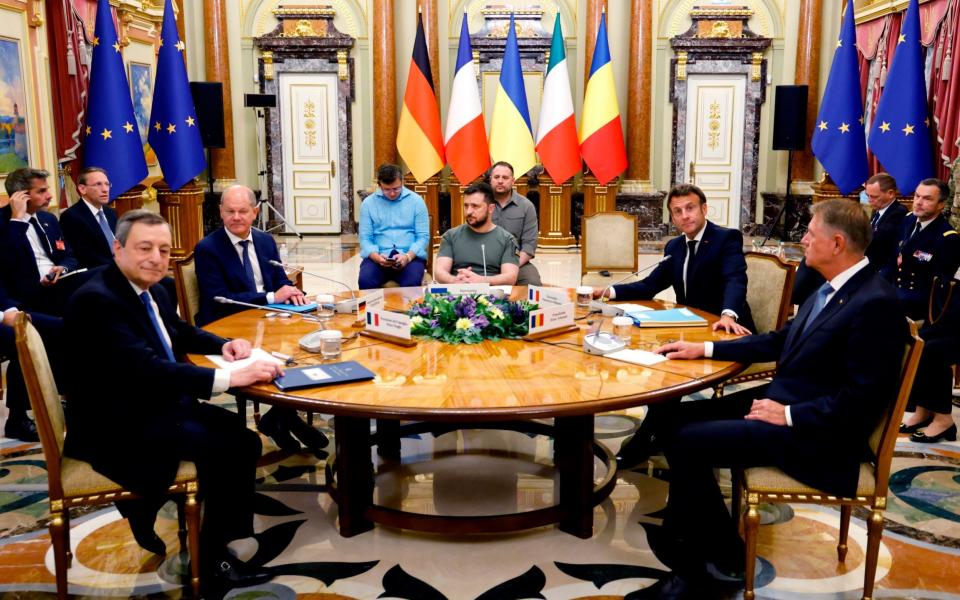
x,y
188,290
769,484
769,285
608,242
72,482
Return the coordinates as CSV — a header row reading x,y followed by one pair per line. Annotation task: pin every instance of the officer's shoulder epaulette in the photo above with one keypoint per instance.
x,y
950,232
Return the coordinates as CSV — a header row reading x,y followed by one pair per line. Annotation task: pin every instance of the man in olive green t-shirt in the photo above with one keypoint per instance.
x,y
477,251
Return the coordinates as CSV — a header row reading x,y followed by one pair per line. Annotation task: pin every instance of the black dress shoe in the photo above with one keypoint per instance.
x,y
949,434
230,572
274,427
636,450
145,535
904,428
20,427
310,437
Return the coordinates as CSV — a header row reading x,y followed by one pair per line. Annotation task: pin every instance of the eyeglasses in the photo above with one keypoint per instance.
x,y
106,184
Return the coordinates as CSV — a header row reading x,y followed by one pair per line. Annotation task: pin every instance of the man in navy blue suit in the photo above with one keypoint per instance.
x,y
33,254
886,222
89,224
706,266
234,262
838,367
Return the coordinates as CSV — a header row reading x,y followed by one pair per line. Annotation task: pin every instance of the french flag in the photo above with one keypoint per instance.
x,y
466,137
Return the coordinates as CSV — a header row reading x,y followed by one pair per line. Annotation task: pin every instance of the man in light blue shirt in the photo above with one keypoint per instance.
x,y
394,233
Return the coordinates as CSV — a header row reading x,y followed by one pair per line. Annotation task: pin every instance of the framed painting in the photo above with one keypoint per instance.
x,y
142,94
14,140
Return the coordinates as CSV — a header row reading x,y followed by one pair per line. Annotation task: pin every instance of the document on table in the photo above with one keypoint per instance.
x,y
637,357
255,355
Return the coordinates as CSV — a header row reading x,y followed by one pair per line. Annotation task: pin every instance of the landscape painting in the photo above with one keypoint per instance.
x,y
14,143
140,81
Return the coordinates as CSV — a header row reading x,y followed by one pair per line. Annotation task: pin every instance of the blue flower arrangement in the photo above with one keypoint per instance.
x,y
469,319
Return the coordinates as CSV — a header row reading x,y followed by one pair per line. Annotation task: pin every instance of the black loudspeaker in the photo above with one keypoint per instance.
x,y
260,100
208,101
790,118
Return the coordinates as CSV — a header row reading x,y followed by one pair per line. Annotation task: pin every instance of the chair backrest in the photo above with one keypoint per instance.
x,y
44,398
608,242
884,436
769,285
188,290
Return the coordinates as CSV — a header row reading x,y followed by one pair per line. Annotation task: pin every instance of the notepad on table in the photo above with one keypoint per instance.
x,y
673,317
636,357
293,307
318,375
255,355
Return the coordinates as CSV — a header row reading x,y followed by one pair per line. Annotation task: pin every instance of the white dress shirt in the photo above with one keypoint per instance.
x,y
252,253
44,264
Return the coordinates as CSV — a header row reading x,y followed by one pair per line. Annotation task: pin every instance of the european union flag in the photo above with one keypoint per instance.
x,y
839,141
174,134
111,137
900,135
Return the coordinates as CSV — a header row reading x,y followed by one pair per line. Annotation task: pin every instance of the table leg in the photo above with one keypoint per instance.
x,y
354,474
573,455
388,438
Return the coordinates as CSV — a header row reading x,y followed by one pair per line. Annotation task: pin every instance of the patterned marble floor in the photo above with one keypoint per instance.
x,y
297,532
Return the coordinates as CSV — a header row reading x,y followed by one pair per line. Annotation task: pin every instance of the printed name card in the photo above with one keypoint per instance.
x,y
459,289
374,299
545,296
551,317
388,323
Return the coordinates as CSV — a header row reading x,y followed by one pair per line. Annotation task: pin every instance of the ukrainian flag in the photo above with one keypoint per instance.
x,y
511,135
601,136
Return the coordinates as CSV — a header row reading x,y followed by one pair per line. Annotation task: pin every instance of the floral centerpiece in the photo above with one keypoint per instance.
x,y
469,319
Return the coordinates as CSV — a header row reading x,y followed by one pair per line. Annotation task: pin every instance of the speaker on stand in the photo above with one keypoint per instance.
x,y
789,133
208,104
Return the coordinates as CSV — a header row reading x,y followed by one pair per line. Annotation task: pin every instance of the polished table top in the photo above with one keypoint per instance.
x,y
505,379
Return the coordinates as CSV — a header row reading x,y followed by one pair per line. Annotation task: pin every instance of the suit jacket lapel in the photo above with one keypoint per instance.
x,y
800,331
94,226
127,292
266,269
229,252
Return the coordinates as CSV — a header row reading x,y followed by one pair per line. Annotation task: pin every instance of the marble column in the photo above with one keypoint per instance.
x,y
808,73
429,8
218,69
638,90
385,84
594,9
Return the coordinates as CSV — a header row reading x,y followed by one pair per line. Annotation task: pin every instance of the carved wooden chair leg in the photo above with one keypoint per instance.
x,y
59,540
845,511
182,529
751,524
193,539
66,537
874,532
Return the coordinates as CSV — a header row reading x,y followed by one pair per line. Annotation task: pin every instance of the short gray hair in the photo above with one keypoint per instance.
x,y
247,192
132,217
847,218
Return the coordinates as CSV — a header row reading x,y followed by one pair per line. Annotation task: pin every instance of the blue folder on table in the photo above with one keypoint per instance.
x,y
293,307
326,374
673,317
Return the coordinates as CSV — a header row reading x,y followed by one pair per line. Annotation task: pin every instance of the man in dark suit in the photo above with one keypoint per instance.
x,y
929,248
89,224
707,270
706,266
33,253
838,367
886,223
132,408
234,262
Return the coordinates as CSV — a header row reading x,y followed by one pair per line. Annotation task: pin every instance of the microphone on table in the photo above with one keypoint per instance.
x,y
612,311
223,300
344,306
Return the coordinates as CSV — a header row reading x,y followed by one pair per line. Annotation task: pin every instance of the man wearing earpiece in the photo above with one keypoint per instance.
x,y
478,251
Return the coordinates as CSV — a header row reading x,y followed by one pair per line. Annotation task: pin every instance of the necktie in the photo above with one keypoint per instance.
x,y
821,300
687,265
105,228
874,219
692,248
145,297
44,240
916,230
247,265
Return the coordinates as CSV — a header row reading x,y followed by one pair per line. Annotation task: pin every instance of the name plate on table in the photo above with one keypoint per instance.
x,y
459,289
389,327
374,299
545,296
549,321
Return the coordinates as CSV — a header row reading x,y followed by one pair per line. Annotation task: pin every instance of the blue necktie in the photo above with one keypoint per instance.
x,y
145,296
874,219
818,304
247,266
105,228
44,240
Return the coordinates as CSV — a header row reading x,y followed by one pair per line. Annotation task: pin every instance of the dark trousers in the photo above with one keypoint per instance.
x,y
225,453
933,384
49,329
373,276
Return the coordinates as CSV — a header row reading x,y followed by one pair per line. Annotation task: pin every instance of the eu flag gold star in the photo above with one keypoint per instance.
x,y
128,127
95,41
190,121
116,46
884,127
107,134
860,120
908,129
157,126
88,130
822,126
840,43
161,42
180,46
844,128
927,121
901,39
171,128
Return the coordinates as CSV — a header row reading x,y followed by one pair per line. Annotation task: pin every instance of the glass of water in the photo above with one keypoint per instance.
x,y
325,306
330,344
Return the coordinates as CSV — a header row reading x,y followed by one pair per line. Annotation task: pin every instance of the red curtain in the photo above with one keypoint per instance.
x,y
944,96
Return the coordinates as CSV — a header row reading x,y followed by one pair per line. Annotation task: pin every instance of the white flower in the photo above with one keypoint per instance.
x,y
483,300
496,313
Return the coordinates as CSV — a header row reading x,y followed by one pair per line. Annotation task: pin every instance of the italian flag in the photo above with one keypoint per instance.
x,y
557,142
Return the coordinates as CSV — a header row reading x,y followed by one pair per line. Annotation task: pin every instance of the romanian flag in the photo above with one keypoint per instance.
x,y
557,141
536,321
419,138
601,137
511,136
466,137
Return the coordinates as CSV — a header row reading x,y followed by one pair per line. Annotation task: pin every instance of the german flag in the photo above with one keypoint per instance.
x,y
419,137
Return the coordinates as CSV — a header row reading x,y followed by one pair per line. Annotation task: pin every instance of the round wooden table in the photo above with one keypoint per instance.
x,y
501,384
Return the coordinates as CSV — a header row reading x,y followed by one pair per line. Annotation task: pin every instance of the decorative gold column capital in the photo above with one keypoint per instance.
x,y
681,66
267,57
342,64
